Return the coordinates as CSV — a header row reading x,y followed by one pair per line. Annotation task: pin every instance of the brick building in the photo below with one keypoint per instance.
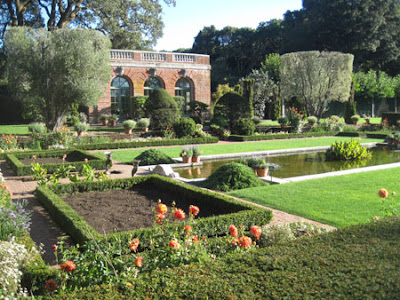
x,y
136,73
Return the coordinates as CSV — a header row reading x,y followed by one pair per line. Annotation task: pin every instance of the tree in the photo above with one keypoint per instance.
x,y
129,24
162,109
232,106
372,86
316,78
57,70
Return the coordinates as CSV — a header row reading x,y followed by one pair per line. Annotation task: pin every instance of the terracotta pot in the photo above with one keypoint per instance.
x,y
105,122
186,160
262,172
195,159
79,133
145,129
128,130
114,123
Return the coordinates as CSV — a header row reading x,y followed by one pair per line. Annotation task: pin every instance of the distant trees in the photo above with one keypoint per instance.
x,y
316,78
55,71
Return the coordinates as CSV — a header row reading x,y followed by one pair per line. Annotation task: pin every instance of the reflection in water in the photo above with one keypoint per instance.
x,y
300,164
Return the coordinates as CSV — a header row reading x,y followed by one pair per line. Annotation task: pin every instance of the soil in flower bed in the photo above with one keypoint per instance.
x,y
107,211
72,157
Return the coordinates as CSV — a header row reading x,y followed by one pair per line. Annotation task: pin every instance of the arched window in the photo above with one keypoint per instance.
x,y
120,97
183,88
152,83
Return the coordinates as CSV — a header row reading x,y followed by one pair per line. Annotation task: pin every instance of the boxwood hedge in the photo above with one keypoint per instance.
x,y
95,161
236,212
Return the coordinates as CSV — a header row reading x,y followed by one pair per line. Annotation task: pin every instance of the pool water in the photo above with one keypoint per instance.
x,y
300,164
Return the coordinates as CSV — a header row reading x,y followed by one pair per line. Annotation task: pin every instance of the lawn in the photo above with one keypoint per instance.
x,y
338,201
237,147
14,129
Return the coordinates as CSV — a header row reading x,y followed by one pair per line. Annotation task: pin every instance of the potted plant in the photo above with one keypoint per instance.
x,y
367,120
81,127
143,124
104,119
113,119
283,121
196,154
226,134
129,125
312,121
186,154
262,170
355,119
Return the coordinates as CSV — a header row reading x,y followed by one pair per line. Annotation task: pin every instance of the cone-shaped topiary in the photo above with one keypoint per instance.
x,y
184,127
232,176
153,157
162,109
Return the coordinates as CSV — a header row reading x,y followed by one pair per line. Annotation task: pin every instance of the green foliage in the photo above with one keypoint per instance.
x,y
37,128
220,121
283,121
244,126
162,109
153,157
248,93
312,120
256,120
197,108
279,136
355,118
138,107
39,61
232,176
232,106
316,78
14,221
352,150
81,127
349,110
143,123
129,124
184,127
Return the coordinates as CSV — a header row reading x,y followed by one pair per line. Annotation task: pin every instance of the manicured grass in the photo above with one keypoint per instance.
x,y
128,155
269,123
14,129
338,201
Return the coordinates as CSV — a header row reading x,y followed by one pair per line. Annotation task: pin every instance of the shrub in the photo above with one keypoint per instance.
x,y
184,127
143,123
37,128
197,119
232,176
349,110
355,118
129,124
162,109
256,120
232,106
220,121
153,157
244,126
352,150
81,127
312,120
138,107
283,121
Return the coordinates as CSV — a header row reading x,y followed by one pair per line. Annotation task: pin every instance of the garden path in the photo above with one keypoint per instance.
x,y
46,232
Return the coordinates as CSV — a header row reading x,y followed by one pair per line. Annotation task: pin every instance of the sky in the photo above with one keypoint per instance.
x,y
183,22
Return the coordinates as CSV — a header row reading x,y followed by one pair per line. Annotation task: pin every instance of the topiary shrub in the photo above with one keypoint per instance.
x,y
232,176
232,106
220,121
162,109
184,127
244,126
153,157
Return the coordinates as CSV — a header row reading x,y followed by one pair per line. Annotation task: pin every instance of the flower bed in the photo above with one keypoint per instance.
x,y
226,209
15,160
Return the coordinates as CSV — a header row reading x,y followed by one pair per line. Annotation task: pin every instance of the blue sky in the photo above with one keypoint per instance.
x,y
183,22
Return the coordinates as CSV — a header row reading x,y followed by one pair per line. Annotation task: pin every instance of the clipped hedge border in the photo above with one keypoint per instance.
x,y
237,212
95,161
139,144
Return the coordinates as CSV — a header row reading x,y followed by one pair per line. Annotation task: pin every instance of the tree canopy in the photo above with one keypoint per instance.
x,y
131,24
316,78
57,70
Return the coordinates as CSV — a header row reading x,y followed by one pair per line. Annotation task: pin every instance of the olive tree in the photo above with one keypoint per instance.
x,y
316,78
57,69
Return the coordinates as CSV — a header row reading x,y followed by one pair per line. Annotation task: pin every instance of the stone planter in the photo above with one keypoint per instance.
x,y
195,159
186,159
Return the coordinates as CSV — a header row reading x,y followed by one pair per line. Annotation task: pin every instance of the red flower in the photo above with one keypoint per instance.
x,y
256,231
195,239
139,261
50,285
68,266
234,231
245,242
159,218
188,228
134,245
194,210
383,193
54,246
179,214
174,244
234,242
162,208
